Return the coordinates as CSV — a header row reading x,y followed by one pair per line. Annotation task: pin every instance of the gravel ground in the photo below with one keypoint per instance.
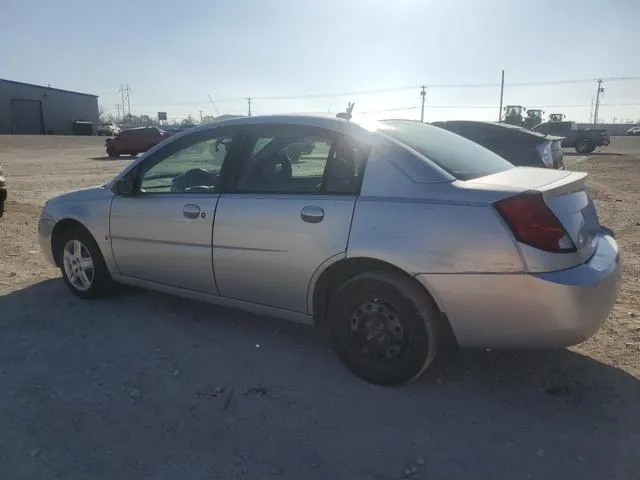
x,y
147,386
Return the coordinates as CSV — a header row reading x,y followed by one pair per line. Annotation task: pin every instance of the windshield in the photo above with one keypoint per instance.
x,y
462,158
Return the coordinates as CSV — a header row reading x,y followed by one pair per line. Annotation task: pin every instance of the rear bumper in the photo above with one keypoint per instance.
x,y
546,310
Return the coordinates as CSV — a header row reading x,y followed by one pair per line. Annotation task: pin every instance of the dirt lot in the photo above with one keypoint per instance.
x,y
147,386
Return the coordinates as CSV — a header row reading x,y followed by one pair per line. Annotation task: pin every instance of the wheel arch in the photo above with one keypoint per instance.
x,y
57,234
344,269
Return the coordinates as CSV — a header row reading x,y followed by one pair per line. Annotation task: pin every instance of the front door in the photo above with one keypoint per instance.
x,y
291,212
163,232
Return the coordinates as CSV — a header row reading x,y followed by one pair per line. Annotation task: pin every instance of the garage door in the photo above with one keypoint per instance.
x,y
26,116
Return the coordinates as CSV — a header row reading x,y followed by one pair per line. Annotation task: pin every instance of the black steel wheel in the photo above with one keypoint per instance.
x,y
584,145
384,327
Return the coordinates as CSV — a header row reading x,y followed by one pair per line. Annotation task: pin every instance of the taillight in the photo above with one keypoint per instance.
x,y
534,224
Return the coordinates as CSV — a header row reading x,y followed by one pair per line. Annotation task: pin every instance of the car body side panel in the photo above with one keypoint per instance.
x,y
152,240
90,207
546,310
432,237
263,251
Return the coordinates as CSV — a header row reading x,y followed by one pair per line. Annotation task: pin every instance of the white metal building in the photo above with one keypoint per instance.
x,y
35,109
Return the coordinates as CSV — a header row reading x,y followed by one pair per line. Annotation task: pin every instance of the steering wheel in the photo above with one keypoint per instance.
x,y
196,179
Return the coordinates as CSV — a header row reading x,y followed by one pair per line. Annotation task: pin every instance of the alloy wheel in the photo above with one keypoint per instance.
x,y
78,265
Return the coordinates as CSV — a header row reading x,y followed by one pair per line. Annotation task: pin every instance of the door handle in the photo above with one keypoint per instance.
x,y
312,214
191,211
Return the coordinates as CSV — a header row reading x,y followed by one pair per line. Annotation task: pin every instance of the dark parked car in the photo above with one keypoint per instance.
x,y
3,192
583,140
134,141
518,145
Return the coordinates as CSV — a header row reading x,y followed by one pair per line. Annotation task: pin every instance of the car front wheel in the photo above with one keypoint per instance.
x,y
585,146
384,327
83,268
111,151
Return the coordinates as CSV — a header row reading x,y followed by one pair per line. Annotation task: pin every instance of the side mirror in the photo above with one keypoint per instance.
x,y
123,187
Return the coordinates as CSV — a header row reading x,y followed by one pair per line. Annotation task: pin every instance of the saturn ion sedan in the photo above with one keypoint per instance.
x,y
396,236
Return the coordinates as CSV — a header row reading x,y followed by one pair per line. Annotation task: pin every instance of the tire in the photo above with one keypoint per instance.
x,y
406,327
96,281
112,152
584,145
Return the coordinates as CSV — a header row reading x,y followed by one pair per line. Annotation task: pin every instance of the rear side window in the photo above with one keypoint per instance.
x,y
462,158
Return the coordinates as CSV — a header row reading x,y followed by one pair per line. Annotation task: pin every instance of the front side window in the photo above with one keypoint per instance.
x,y
296,159
194,168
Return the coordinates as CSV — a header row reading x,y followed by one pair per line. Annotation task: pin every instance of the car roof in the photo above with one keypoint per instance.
x,y
328,121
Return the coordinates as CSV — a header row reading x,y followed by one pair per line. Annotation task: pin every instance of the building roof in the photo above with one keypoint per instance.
x,y
46,87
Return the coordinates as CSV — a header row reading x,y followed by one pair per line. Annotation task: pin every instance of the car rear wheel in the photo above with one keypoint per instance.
x,y
384,327
584,145
83,268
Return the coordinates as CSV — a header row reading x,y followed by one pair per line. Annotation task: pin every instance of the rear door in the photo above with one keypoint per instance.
x,y
290,212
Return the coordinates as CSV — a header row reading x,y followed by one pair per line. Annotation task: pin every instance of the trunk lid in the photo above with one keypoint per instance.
x,y
565,193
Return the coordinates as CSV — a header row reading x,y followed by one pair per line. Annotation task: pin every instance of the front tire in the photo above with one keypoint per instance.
x,y
112,152
82,265
584,145
384,327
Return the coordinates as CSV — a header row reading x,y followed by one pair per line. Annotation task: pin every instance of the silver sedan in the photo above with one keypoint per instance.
x,y
397,237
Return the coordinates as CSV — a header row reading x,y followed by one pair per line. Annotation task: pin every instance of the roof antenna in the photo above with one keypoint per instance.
x,y
347,115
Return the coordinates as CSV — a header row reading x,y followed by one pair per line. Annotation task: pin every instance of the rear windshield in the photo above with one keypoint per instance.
x,y
462,158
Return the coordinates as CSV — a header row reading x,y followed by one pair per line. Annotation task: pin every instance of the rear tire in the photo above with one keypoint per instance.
x,y
584,145
384,327
83,268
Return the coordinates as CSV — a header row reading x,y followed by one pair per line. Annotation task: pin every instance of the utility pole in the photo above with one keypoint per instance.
x,y
597,107
200,116
117,110
423,94
249,104
124,94
128,100
122,98
501,97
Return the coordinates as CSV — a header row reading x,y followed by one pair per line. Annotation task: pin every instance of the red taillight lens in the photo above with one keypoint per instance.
x,y
534,224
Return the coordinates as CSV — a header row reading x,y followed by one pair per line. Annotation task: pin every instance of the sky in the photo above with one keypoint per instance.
x,y
317,55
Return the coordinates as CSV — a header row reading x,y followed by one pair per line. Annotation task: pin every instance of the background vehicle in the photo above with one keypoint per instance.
x,y
518,145
584,141
514,115
134,141
633,131
399,238
3,193
534,117
109,129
